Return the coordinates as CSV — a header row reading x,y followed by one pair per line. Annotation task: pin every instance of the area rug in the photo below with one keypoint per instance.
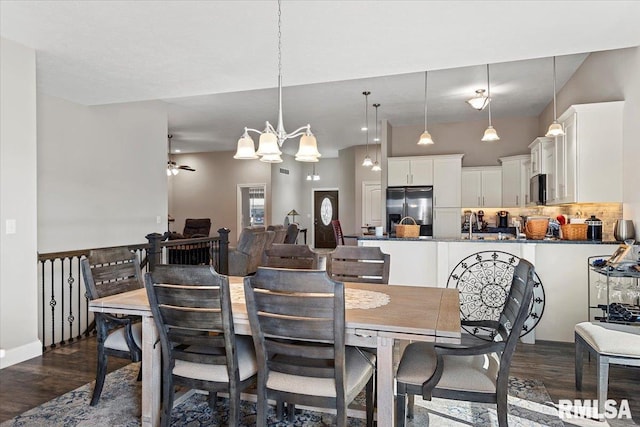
x,y
529,405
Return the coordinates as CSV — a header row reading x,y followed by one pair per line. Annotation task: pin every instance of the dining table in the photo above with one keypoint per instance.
x,y
375,317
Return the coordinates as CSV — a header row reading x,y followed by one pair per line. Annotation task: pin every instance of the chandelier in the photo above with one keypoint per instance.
x,y
479,101
272,139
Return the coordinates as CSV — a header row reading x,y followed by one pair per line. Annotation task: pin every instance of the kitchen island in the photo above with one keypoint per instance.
x,y
560,264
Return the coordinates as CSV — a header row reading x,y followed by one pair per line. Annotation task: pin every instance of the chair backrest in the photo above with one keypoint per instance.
x,y
280,230
516,310
196,227
111,271
191,307
366,264
337,232
291,256
297,320
292,234
252,242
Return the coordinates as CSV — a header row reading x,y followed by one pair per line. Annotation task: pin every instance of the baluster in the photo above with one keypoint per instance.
x,y
52,304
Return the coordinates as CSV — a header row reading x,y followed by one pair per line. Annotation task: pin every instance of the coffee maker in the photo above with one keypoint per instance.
x,y
502,219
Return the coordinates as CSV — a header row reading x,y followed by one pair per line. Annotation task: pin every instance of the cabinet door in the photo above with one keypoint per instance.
x,y
398,171
421,172
447,176
525,176
561,183
447,223
570,155
536,156
492,188
471,188
511,183
548,153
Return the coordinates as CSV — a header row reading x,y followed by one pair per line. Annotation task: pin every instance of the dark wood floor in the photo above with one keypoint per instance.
x,y
31,383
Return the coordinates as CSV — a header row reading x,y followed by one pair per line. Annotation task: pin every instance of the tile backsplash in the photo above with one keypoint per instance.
x,y
608,213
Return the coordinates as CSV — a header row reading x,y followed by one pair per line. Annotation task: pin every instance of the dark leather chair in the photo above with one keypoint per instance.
x,y
292,234
108,272
200,227
297,320
191,254
337,232
192,310
477,373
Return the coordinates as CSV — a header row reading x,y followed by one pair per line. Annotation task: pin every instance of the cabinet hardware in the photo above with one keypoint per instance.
x,y
517,201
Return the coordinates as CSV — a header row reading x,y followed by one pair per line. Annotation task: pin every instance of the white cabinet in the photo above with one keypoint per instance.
x,y
409,171
589,156
543,161
446,223
447,170
515,180
482,187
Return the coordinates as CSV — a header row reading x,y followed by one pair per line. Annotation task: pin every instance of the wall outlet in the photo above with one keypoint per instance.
x,y
158,219
11,226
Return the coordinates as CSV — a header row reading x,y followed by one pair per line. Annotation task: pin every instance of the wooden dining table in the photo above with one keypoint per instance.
x,y
386,313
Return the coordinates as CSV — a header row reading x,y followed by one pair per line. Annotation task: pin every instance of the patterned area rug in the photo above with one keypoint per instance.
x,y
120,406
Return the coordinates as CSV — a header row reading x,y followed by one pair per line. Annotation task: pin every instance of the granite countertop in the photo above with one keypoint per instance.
x,y
475,240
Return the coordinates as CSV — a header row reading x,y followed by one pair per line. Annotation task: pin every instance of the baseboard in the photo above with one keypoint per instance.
x,y
20,354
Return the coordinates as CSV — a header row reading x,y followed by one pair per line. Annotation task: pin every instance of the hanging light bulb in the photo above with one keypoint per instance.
x,y
367,160
376,166
490,133
555,128
425,138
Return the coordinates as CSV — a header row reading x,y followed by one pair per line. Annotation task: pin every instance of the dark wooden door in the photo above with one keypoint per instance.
x,y
325,209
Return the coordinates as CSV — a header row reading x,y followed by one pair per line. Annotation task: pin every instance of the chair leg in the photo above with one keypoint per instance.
x,y
400,408
410,400
101,372
503,409
369,399
234,406
579,363
261,420
213,397
603,381
167,401
279,410
291,412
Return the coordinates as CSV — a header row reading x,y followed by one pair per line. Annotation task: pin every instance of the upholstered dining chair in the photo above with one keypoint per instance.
x,y
191,307
297,319
477,373
366,264
337,232
291,256
108,272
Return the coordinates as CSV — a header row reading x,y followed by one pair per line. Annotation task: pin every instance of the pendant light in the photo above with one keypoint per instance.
x,y
271,139
425,138
490,133
479,100
376,166
367,160
314,176
555,129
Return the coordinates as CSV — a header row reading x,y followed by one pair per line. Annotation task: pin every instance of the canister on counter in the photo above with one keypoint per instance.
x,y
594,228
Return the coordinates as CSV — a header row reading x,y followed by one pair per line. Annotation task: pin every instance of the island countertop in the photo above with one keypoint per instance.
x,y
478,238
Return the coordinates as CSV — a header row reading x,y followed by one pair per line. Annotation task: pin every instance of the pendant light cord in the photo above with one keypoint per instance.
x,y
377,137
489,94
366,118
555,114
425,101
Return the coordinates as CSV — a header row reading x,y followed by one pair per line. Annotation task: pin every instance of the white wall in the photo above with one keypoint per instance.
x,y
18,198
287,190
101,173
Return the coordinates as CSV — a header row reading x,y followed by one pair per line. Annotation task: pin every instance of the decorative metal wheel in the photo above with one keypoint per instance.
x,y
483,280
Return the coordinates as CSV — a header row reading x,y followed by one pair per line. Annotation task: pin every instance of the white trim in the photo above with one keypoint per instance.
x,y
239,204
20,354
312,224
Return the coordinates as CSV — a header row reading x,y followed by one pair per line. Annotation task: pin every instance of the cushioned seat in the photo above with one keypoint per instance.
x,y
117,340
610,343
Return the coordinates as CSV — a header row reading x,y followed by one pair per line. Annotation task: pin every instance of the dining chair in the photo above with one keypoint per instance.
x,y
191,307
337,232
297,320
291,256
367,264
107,272
478,373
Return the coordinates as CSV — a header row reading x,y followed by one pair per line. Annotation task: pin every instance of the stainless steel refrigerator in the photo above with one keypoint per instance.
x,y
416,202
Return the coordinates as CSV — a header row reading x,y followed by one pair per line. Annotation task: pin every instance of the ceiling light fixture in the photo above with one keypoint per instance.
x,y
479,101
555,128
425,138
376,166
314,176
172,167
490,133
272,139
367,160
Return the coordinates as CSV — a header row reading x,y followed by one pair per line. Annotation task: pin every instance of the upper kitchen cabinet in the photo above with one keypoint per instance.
x,y
482,186
409,171
447,180
589,155
516,171
543,162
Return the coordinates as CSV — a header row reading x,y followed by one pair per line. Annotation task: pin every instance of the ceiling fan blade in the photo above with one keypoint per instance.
x,y
171,163
186,168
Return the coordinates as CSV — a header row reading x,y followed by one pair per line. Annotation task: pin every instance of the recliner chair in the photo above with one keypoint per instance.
x,y
245,258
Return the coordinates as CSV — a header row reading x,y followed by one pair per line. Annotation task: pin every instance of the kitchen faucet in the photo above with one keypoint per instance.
x,y
473,214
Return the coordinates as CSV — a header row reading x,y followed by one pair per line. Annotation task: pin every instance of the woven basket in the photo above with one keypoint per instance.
x,y
407,230
574,231
536,229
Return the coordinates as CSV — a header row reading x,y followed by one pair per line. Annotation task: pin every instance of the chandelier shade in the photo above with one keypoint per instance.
x,y
479,101
425,139
272,139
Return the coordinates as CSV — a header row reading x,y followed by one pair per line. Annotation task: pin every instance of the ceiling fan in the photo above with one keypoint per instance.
x,y
172,167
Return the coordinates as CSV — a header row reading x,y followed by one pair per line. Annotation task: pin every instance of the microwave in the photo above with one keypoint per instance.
x,y
538,189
